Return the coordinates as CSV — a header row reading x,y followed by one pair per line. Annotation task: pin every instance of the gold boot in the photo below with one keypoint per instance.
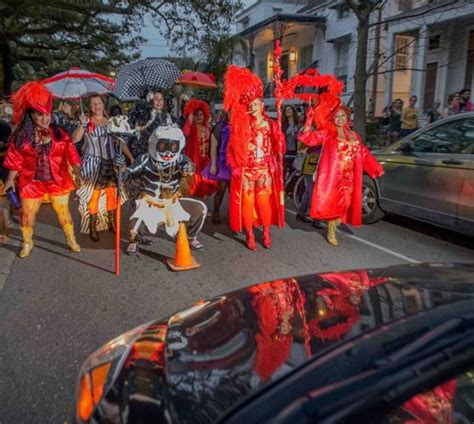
x,y
27,241
332,227
71,238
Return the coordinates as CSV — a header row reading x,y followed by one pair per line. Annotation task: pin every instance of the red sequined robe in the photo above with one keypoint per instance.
x,y
198,150
62,154
337,192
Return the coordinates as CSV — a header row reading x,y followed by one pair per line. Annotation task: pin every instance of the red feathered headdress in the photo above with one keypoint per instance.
x,y
241,87
194,105
32,95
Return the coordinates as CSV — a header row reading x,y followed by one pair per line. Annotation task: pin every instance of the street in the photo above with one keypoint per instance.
x,y
58,307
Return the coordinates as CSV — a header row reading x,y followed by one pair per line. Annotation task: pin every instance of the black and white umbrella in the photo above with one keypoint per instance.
x,y
135,79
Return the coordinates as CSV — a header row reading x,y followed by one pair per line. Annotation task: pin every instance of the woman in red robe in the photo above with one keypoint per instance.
x,y
198,144
39,156
337,192
254,154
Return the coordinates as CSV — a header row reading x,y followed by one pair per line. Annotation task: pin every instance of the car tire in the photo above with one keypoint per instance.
x,y
371,211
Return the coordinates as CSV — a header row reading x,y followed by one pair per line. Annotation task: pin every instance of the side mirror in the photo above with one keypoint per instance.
x,y
405,148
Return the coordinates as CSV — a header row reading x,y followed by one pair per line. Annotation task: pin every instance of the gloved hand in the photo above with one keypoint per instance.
x,y
119,161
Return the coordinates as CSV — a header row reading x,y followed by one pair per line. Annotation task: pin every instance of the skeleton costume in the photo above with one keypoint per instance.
x,y
161,170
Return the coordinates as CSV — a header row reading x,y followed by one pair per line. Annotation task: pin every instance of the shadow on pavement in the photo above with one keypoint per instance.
x,y
75,258
431,230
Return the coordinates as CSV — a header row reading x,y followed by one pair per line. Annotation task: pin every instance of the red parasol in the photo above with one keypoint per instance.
x,y
197,79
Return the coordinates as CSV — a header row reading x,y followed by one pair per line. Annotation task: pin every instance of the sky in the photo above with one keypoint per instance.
x,y
157,46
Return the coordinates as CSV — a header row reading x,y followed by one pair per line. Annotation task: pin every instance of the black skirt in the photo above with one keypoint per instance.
x,y
107,176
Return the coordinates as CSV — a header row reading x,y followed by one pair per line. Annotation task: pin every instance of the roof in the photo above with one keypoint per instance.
x,y
283,17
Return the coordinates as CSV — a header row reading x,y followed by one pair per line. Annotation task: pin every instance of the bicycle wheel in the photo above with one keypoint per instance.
x,y
298,191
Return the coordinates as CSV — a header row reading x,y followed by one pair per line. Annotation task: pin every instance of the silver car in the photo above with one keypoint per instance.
x,y
429,176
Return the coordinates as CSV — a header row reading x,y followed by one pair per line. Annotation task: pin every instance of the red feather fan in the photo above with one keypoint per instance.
x,y
326,92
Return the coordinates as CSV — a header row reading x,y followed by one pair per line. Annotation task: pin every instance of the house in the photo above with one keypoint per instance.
x,y
421,47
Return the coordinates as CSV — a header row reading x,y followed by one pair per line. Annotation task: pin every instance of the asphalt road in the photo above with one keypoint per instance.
x,y
57,307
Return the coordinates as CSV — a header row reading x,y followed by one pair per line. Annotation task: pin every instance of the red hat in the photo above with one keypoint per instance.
x,y
194,105
241,87
32,95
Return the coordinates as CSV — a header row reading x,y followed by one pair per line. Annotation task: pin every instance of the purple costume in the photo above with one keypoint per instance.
x,y
221,132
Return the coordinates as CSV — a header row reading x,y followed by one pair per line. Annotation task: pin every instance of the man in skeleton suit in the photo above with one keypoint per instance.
x,y
159,203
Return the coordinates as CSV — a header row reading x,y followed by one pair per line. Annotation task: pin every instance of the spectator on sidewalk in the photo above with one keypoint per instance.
x,y
433,113
454,105
409,118
394,122
465,104
290,129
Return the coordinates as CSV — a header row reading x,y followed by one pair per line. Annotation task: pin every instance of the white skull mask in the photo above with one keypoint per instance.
x,y
166,144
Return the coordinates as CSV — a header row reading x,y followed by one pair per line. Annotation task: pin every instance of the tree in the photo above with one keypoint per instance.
x,y
44,37
218,53
362,10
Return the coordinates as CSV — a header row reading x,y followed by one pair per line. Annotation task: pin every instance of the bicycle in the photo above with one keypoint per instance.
x,y
295,185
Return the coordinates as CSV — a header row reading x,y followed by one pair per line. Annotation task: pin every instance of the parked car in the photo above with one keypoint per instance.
x,y
429,176
385,345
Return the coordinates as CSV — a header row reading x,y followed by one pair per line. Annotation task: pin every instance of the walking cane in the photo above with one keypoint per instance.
x,y
118,214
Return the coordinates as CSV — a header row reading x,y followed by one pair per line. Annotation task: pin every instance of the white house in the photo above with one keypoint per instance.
x,y
422,47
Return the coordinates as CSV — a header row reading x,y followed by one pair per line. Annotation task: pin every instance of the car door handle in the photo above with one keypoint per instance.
x,y
452,162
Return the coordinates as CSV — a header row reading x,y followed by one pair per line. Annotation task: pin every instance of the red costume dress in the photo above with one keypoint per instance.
x,y
256,186
337,192
55,178
40,156
198,144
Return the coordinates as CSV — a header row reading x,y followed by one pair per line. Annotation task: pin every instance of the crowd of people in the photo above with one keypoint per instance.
x,y
400,121
170,170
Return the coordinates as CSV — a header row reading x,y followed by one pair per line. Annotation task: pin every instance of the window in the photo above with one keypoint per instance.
x,y
434,42
456,137
402,49
306,57
342,57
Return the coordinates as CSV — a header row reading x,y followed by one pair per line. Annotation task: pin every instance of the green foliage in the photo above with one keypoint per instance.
x,y
40,38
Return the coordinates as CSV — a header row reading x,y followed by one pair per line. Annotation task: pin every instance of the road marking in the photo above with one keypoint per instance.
x,y
369,243
383,249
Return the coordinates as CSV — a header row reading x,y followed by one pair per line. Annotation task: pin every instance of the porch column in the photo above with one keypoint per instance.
x,y
418,83
390,67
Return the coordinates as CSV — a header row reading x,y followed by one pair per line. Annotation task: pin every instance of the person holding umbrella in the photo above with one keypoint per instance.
x,y
39,156
98,170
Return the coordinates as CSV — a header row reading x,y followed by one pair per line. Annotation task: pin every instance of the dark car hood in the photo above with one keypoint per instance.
x,y
206,359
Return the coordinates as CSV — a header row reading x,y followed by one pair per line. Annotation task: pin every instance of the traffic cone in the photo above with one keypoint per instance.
x,y
183,259
46,198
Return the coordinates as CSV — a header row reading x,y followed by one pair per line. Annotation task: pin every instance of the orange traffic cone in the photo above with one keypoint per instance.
x,y
46,198
183,259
